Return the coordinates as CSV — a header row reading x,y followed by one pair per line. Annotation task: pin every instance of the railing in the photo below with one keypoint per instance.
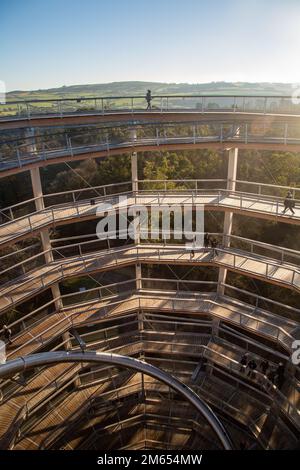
x,y
161,103
234,366
219,199
7,441
60,200
184,186
277,332
118,392
149,386
284,133
206,351
197,186
253,424
258,302
258,299
64,268
289,259
33,319
83,208
231,364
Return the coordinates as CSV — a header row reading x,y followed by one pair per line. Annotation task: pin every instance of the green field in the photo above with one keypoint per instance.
x,y
139,88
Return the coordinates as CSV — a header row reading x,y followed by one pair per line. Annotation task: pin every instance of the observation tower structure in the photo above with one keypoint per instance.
x,y
112,344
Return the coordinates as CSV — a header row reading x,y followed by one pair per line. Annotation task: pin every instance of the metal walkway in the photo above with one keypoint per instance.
x,y
260,206
250,264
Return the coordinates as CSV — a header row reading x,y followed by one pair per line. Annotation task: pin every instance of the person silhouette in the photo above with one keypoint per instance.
x,y
148,99
289,203
7,333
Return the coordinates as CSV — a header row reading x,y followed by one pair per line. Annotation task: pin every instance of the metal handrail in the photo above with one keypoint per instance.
x,y
149,181
173,300
251,419
51,217
69,153
163,103
61,265
168,95
115,337
268,383
123,361
73,193
253,243
234,366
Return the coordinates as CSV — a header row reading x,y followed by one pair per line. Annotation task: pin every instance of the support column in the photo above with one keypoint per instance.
x,y
134,164
140,321
39,205
228,217
30,140
44,234
215,326
138,275
134,172
134,180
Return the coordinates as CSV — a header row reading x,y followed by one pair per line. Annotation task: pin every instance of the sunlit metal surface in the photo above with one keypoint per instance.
x,y
49,358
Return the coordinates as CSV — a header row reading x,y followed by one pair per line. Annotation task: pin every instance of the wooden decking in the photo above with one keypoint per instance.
x,y
273,327
142,116
268,269
215,390
254,206
150,145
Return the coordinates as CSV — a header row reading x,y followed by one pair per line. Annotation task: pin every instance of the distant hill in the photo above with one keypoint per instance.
x,y
139,88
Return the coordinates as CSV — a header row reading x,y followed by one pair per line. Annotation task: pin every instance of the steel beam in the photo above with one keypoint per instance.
x,y
50,358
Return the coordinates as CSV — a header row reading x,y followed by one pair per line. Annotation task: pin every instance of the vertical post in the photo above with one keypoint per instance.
x,y
134,181
228,217
134,165
215,326
285,133
138,274
44,234
140,321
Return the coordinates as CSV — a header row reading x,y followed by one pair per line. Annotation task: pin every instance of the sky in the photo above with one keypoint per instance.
x,y
50,43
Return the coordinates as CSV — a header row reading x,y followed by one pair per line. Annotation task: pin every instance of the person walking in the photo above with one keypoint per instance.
x,y
206,241
252,366
271,375
7,334
214,245
243,362
148,99
264,366
289,203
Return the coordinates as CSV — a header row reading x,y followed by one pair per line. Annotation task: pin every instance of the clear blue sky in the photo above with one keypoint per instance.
x,y
48,43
